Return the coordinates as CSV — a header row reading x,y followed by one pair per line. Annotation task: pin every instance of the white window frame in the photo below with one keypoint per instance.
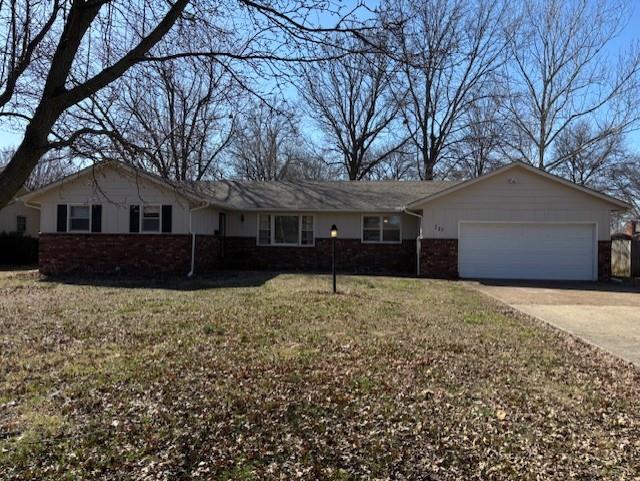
x,y
381,228
272,231
141,219
90,207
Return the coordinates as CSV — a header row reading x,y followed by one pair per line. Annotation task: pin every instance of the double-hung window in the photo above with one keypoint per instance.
x,y
150,218
79,218
285,229
21,224
306,230
264,229
381,228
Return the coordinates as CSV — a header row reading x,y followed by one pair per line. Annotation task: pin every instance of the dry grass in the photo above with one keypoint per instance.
x,y
253,378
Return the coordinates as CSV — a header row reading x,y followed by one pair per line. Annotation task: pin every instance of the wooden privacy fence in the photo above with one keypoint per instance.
x,y
635,258
625,258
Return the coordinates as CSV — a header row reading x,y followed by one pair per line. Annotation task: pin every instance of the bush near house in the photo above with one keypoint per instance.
x,y
264,377
17,249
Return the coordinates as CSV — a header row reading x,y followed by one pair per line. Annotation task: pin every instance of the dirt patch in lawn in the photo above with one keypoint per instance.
x,y
279,379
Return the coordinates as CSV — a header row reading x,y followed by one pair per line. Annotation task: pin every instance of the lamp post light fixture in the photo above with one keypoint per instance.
x,y
334,235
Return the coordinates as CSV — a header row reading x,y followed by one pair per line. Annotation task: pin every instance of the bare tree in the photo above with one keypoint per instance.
x,y
58,54
447,51
587,156
38,87
349,99
399,165
267,143
172,118
560,73
51,167
480,148
624,182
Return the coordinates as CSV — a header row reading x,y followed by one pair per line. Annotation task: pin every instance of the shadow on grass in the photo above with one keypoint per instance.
x,y
219,280
10,268
611,286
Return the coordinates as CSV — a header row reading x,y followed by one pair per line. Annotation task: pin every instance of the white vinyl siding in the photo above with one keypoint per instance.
x,y
513,196
10,215
116,191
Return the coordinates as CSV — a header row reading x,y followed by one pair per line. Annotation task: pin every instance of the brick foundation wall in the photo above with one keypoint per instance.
x,y
170,254
604,260
208,251
439,258
132,254
352,256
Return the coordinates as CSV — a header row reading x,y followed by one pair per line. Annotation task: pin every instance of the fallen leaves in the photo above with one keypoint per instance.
x,y
396,379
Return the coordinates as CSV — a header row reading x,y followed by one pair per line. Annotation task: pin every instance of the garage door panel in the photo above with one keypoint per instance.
x,y
527,251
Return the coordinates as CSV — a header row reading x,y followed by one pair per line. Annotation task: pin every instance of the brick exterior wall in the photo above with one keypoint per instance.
x,y
170,254
133,254
604,260
439,258
352,256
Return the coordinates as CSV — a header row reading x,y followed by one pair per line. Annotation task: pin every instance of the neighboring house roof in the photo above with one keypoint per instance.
x,y
318,195
586,190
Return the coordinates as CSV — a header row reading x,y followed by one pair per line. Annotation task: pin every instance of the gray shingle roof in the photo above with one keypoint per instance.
x,y
313,195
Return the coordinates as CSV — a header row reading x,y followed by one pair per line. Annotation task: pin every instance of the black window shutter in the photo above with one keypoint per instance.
x,y
166,218
96,218
134,218
62,218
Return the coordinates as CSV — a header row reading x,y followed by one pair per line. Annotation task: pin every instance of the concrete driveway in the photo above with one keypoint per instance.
x,y
607,315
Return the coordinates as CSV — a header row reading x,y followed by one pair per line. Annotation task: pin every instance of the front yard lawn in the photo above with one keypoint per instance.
x,y
258,377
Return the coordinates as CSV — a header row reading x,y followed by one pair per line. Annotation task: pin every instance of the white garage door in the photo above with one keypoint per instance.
x,y
527,251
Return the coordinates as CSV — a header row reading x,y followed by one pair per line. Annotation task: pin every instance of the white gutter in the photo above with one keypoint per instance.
x,y
28,204
418,240
193,238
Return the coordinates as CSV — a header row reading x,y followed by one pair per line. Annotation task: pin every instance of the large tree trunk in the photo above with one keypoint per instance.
x,y
29,152
55,95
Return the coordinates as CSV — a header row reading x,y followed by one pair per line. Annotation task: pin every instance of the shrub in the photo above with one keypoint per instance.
x,y
18,249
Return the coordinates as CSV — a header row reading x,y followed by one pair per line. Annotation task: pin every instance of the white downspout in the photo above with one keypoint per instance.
x,y
193,238
418,240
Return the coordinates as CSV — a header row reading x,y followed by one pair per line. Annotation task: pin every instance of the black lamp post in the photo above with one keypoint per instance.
x,y
334,235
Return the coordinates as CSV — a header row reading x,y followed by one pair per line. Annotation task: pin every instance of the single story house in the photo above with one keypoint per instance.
x,y
514,223
16,217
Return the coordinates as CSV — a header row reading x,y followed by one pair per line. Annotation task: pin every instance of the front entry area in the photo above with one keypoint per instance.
x,y
513,250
